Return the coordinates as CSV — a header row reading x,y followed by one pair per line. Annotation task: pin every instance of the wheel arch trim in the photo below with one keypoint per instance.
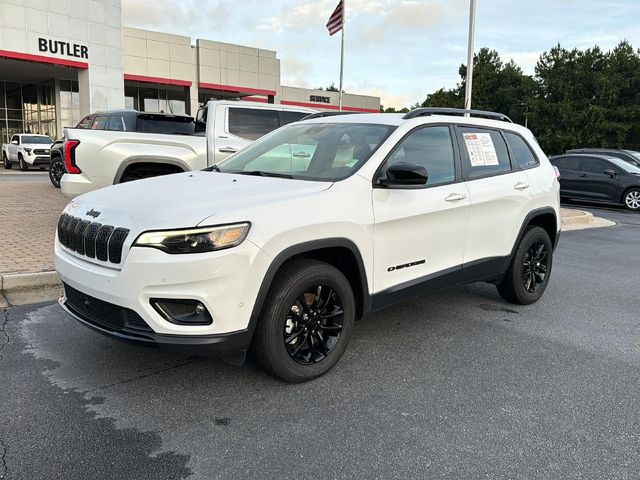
x,y
308,247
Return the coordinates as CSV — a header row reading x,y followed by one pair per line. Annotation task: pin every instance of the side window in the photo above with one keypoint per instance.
x,y
201,120
595,165
116,122
100,122
567,163
252,123
86,122
432,148
15,138
290,117
484,152
523,153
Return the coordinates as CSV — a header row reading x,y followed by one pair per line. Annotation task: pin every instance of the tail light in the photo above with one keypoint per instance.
x,y
70,156
557,172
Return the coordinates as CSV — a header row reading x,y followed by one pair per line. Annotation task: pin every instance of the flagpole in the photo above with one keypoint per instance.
x,y
472,32
344,11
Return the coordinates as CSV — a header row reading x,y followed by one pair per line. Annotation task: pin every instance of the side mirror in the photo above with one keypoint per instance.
x,y
14,142
611,172
404,174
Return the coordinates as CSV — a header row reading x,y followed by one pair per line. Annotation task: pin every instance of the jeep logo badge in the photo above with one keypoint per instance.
x,y
93,213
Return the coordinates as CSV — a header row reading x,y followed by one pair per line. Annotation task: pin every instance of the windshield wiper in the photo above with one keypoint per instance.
x,y
262,173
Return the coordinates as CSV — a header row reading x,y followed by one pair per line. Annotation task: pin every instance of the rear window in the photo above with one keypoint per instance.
x,y
522,152
290,117
86,122
100,122
485,152
118,123
567,163
252,123
166,124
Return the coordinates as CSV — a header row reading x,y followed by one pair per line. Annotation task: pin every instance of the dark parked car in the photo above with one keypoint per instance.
x,y
630,156
599,178
122,121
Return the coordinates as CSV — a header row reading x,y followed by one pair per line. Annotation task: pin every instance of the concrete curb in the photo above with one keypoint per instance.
x,y
24,288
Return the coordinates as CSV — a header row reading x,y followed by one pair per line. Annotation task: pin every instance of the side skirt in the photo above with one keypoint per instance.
x,y
484,270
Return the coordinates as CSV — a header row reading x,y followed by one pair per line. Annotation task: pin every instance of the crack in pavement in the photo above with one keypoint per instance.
x,y
3,330
146,375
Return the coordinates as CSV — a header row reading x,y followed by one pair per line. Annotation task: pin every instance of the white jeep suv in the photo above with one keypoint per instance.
x,y
281,247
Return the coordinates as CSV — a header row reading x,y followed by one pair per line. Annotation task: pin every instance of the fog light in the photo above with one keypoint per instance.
x,y
182,312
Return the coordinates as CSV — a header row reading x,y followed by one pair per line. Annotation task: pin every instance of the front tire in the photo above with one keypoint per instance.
x,y
56,171
306,322
23,165
632,200
6,162
528,274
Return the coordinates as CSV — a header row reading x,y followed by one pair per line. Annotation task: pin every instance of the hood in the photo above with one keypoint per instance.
x,y
37,146
184,199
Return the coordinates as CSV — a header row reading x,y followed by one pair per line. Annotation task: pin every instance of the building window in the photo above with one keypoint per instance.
x,y
69,103
154,98
27,108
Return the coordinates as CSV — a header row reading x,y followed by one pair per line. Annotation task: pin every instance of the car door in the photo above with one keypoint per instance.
x,y
499,193
569,168
420,231
242,126
13,148
595,183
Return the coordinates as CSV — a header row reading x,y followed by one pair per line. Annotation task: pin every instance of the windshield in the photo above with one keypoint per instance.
x,y
626,166
312,151
38,140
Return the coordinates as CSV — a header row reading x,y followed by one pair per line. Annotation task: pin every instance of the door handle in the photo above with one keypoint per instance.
x,y
521,186
227,150
582,175
455,197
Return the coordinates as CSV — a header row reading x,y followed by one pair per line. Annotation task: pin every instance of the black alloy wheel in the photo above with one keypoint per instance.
x,y
534,271
527,277
5,161
314,324
306,321
22,164
56,171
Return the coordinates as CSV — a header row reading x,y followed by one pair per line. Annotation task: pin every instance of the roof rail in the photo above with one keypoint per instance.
x,y
425,112
326,114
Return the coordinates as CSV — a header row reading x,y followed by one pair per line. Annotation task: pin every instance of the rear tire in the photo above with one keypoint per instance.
x,y
22,164
6,162
299,342
631,199
528,274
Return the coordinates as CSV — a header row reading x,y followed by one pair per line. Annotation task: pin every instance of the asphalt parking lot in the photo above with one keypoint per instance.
x,y
455,385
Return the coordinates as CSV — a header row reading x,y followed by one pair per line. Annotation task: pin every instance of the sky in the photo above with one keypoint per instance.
x,y
400,50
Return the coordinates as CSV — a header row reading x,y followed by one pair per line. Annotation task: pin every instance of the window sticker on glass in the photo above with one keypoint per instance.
x,y
481,150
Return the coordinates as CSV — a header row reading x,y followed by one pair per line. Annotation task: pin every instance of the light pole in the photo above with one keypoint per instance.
x,y
472,32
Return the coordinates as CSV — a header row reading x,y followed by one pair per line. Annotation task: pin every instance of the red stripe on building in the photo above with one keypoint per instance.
x,y
329,107
160,80
40,59
234,89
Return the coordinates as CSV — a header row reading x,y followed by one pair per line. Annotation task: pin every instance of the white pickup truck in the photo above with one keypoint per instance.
x,y
27,150
119,148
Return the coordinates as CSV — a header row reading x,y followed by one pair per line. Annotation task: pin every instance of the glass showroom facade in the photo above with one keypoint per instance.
x,y
27,108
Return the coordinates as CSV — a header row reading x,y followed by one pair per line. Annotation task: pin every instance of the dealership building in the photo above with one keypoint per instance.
x,y
63,59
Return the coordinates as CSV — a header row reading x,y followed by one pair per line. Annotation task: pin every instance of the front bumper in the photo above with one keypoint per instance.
x,y
117,302
39,161
224,345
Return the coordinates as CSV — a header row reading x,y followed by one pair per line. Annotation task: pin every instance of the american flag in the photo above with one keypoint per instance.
x,y
334,25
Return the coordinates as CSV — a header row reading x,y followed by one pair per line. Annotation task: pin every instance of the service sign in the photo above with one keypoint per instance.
x,y
319,99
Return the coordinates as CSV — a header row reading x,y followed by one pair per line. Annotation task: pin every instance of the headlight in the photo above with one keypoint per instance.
x,y
195,240
28,150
